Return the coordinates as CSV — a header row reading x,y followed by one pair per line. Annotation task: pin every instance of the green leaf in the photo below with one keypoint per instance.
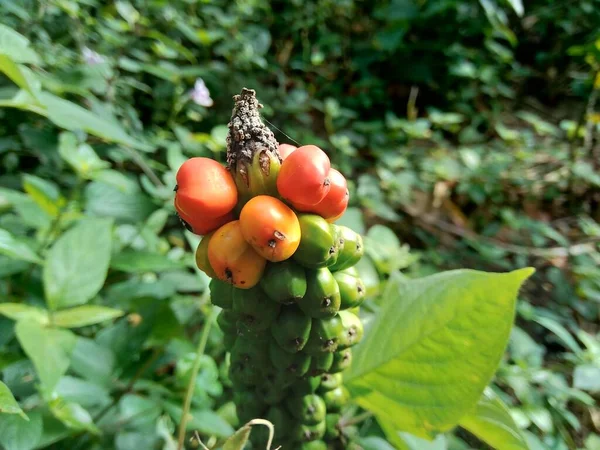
x,y
20,75
138,262
517,5
81,157
44,193
239,439
8,404
15,249
73,415
492,423
77,264
125,203
16,46
425,375
19,311
73,117
83,392
92,361
49,349
17,433
82,316
587,378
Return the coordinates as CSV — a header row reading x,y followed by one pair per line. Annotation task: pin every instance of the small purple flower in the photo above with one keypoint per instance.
x,y
200,94
91,57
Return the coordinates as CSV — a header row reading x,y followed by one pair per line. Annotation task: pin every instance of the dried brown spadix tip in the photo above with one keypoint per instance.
x,y
252,154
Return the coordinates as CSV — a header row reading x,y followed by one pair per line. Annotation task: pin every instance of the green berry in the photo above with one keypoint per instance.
x,y
336,398
305,386
332,431
330,381
291,329
284,282
322,299
352,331
324,335
351,251
342,359
308,409
317,244
307,433
296,364
221,293
256,311
352,289
320,363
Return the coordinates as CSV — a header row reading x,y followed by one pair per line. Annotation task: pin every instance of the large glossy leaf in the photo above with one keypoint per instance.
x,y
77,264
16,433
16,249
19,311
434,347
92,361
131,261
72,117
492,423
16,46
8,404
81,316
81,157
125,203
49,349
73,415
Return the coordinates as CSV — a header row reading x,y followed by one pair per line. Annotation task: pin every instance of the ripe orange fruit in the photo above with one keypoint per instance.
x,y
303,177
233,259
200,224
205,189
271,227
333,206
285,150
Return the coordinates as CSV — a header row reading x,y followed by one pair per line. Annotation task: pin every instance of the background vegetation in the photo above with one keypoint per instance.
x,y
469,131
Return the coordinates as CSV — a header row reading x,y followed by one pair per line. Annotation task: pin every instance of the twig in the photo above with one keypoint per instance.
x,y
145,167
192,383
157,352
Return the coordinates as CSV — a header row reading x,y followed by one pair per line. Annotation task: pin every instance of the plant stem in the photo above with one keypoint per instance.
x,y
192,383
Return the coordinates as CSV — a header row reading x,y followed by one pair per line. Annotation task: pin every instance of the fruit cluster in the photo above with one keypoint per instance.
x,y
282,272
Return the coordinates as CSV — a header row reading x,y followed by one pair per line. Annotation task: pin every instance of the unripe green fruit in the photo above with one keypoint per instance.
x,y
291,329
284,282
320,363
281,420
305,386
317,244
338,244
229,341
309,409
332,431
248,359
329,382
336,398
221,293
322,299
351,251
324,335
352,330
313,445
227,321
278,377
271,393
296,364
255,309
352,289
248,405
342,359
306,433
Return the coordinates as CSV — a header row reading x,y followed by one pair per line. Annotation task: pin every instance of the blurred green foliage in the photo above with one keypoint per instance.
x,y
468,130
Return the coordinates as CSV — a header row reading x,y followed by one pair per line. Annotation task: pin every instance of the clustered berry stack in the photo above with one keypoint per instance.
x,y
283,273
